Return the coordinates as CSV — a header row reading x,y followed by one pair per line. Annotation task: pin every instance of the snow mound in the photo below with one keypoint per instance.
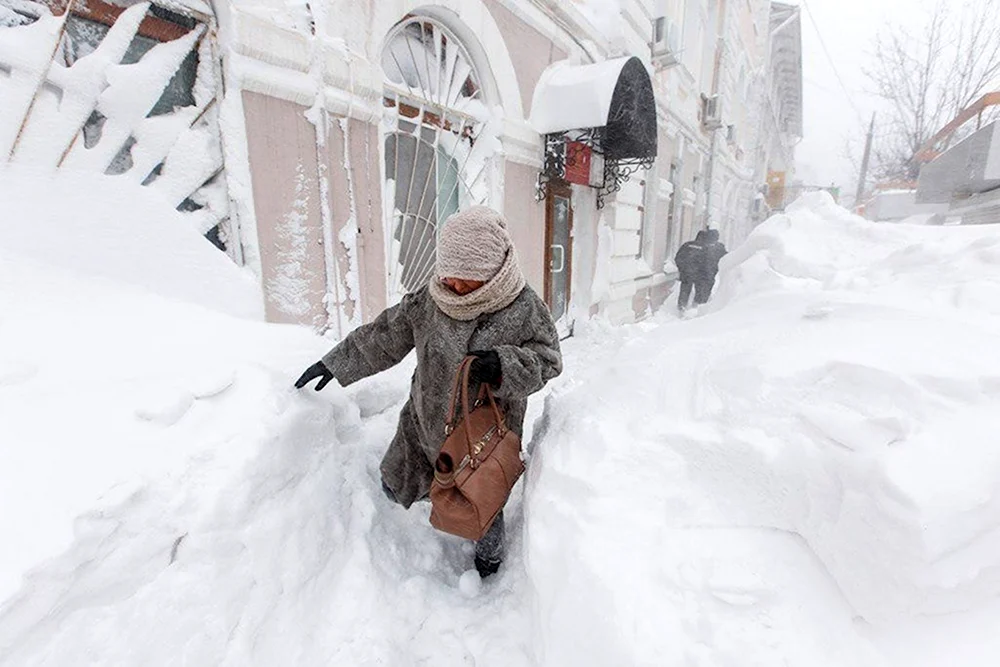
x,y
169,498
804,474
922,219
818,247
840,401
110,228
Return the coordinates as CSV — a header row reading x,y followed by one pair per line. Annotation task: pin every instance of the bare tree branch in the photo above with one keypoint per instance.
x,y
928,76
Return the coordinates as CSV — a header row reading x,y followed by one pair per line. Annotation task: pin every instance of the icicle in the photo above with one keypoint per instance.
x,y
349,238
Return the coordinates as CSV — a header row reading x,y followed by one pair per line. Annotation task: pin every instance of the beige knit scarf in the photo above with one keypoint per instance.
x,y
495,295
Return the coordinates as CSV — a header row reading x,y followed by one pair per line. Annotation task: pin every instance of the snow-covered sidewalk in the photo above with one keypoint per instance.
x,y
805,474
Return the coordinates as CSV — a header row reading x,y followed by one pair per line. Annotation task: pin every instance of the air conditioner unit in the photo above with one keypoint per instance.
x,y
665,49
711,112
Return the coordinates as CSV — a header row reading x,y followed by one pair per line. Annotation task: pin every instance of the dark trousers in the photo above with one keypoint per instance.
x,y
702,291
491,548
685,295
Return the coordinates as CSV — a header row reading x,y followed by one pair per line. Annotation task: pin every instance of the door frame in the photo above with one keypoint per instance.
x,y
559,188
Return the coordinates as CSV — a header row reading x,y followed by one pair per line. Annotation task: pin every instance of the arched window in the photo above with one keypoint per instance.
x,y
434,163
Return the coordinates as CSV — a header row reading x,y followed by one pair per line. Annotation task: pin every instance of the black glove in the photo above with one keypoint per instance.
x,y
317,370
486,368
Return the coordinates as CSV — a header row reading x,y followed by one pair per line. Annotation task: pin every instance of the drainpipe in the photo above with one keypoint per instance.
x,y
716,77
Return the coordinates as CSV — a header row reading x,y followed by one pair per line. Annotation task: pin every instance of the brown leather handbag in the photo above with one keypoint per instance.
x,y
478,464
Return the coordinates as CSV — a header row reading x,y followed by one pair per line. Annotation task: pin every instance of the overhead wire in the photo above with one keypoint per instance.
x,y
833,65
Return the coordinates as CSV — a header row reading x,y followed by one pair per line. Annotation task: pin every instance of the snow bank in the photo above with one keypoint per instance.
x,y
923,219
171,499
803,476
841,399
819,248
114,229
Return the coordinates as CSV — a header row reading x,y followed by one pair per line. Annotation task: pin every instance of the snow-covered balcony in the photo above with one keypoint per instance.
x,y
786,67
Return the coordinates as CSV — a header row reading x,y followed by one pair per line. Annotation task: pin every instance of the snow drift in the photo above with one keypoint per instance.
x,y
804,475
844,391
113,229
169,498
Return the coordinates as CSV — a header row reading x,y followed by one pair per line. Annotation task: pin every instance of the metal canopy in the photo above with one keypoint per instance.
x,y
631,125
614,96
609,108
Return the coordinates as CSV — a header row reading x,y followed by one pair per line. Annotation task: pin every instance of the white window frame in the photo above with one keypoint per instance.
x,y
648,227
420,95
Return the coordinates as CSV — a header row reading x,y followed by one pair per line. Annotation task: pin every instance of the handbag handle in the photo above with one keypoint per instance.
x,y
460,391
456,392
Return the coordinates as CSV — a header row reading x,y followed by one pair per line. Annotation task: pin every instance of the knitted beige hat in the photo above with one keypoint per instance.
x,y
472,245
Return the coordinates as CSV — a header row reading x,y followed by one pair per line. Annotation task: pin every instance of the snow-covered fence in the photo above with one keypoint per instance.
x,y
128,91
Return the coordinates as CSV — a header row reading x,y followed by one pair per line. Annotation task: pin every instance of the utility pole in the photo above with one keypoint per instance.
x,y
864,165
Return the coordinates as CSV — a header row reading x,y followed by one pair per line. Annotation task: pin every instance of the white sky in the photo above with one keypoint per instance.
x,y
832,117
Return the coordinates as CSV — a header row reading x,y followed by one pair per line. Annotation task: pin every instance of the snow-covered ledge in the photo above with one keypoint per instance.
x,y
280,59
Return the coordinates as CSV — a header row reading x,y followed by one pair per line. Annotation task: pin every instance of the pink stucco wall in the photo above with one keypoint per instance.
x,y
530,51
650,298
526,218
285,170
283,166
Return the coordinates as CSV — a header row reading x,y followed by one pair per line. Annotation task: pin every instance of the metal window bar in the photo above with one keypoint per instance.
x,y
436,109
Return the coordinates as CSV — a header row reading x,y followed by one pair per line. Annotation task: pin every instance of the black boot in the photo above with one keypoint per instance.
x,y
490,549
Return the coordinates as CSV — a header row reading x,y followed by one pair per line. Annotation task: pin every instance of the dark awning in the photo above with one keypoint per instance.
x,y
616,95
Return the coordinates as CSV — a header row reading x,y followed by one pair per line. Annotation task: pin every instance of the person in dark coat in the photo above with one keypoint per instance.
x,y
477,304
714,251
690,261
698,264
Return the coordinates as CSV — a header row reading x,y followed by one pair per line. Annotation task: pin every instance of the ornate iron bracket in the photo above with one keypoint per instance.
x,y
559,154
617,173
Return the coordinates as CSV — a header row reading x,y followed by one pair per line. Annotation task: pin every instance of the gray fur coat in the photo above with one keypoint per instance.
x,y
522,334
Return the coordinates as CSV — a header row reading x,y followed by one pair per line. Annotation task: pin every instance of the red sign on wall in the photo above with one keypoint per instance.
x,y
578,163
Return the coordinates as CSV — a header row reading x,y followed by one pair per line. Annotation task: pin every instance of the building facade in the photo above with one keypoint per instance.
x,y
322,145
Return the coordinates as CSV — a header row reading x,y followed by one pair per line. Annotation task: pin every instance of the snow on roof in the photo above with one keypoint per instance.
x,y
570,97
